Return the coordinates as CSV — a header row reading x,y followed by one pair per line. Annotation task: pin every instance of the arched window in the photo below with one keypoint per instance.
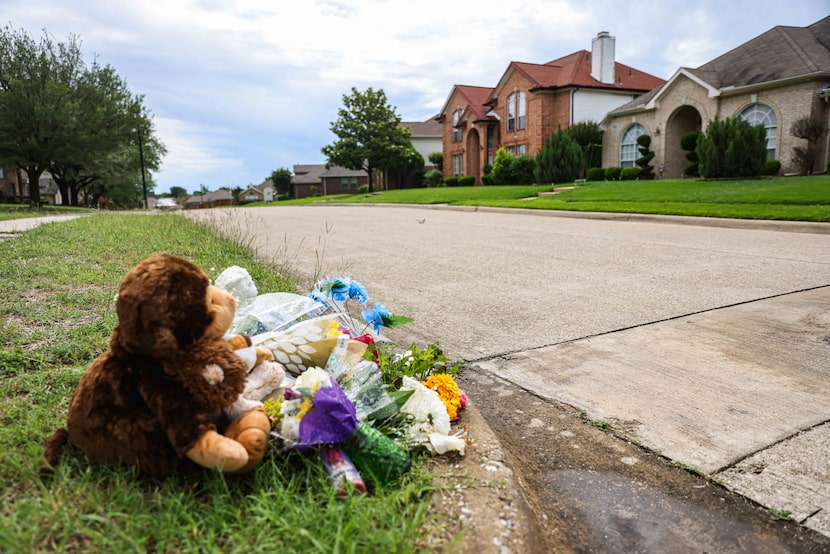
x,y
761,114
628,144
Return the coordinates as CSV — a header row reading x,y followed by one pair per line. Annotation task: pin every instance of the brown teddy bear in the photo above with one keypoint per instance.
x,y
151,400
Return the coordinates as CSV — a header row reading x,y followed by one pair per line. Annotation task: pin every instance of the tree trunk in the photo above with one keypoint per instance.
x,y
370,172
34,174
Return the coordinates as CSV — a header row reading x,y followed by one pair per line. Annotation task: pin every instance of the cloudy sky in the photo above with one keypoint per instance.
x,y
239,88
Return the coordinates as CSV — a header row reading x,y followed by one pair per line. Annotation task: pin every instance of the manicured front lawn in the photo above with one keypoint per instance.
x,y
20,211
783,198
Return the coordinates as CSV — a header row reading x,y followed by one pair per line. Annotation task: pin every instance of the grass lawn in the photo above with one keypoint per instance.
x,y
784,198
57,285
19,211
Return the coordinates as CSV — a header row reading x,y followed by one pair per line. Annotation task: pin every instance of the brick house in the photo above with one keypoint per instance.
x,y
317,180
213,199
532,101
773,79
263,192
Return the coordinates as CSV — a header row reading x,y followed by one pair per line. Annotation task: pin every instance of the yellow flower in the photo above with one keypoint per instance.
x,y
447,390
305,406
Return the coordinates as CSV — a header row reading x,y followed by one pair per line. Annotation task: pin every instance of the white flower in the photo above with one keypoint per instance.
x,y
431,422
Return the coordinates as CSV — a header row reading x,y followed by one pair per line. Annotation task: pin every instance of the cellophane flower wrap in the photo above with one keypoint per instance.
x,y
336,396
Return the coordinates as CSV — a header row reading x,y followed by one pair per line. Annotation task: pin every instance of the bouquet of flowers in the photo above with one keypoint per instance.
x,y
338,404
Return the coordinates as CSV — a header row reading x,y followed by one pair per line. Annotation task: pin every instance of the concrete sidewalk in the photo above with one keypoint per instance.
x,y
741,394
11,227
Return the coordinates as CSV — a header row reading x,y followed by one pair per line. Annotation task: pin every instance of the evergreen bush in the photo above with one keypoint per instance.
x,y
522,168
502,173
732,147
559,160
433,177
466,181
772,167
451,181
612,173
646,155
595,174
630,173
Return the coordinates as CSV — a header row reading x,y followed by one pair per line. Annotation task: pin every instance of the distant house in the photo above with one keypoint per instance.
x,y
316,180
531,101
425,137
773,80
214,199
263,192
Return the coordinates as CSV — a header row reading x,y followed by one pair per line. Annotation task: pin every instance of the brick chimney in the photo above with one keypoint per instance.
x,y
602,57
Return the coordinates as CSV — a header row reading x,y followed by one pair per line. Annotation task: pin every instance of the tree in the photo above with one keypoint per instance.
x,y
282,181
80,122
811,129
588,136
646,155
178,192
559,160
369,137
437,160
732,147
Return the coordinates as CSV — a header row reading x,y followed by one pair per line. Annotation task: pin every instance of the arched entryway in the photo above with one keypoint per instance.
x,y
472,158
680,122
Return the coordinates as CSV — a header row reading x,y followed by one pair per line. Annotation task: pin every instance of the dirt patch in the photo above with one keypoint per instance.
x,y
541,477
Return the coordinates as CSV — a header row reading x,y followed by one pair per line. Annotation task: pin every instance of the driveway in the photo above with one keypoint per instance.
x,y
706,344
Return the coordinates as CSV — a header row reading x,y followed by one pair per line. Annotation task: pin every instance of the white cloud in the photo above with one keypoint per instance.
x,y
242,87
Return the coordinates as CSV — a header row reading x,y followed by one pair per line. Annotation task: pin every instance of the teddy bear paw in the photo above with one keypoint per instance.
x,y
213,451
251,430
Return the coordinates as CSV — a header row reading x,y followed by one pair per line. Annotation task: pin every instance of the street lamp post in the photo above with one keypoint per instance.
x,y
141,157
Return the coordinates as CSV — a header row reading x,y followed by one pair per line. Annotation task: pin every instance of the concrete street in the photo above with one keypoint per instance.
x,y
706,342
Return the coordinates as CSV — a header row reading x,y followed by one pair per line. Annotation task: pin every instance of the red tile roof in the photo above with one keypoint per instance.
x,y
575,70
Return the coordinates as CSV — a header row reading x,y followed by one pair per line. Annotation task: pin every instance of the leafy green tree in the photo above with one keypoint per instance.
x,y
368,134
282,180
588,135
732,147
646,155
178,192
559,160
406,166
78,121
688,142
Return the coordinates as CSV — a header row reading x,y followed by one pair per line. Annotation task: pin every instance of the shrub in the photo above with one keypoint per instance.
x,y
451,181
646,155
812,130
630,173
772,167
588,136
732,147
436,159
502,173
595,174
433,177
612,173
688,142
522,169
466,181
559,160
363,189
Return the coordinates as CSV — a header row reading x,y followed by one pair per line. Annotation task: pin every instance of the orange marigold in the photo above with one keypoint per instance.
x,y
447,390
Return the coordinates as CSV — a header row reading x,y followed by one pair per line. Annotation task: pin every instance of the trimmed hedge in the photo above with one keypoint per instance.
x,y
630,173
772,167
451,181
466,181
595,174
612,173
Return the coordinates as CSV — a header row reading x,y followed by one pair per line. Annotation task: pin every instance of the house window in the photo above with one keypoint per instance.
x,y
521,150
458,164
511,112
761,114
457,133
628,144
348,183
521,109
